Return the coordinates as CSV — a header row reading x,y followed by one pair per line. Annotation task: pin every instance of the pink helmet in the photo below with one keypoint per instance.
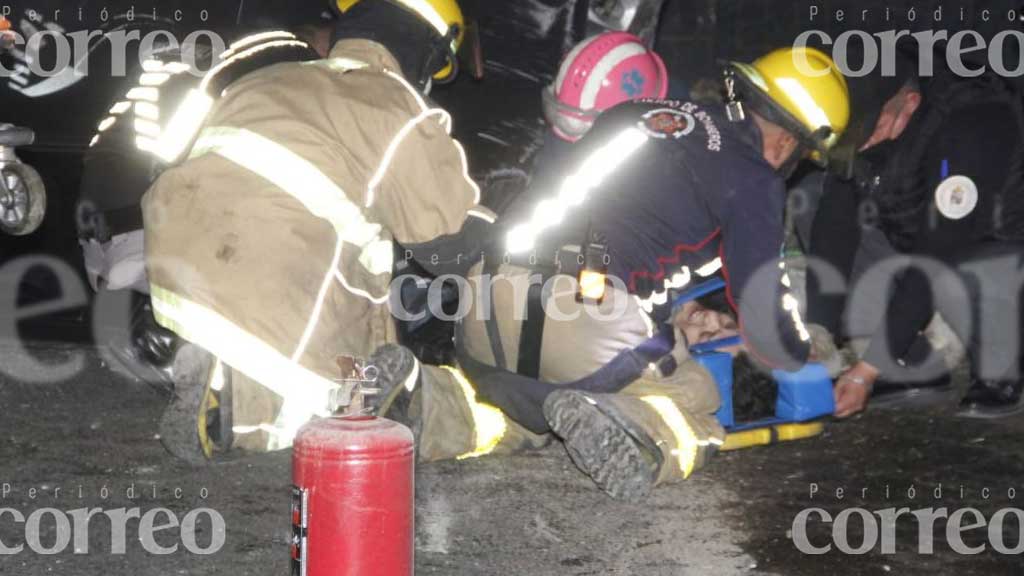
x,y
600,72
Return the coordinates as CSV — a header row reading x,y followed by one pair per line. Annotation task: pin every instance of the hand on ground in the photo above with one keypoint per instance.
x,y
853,389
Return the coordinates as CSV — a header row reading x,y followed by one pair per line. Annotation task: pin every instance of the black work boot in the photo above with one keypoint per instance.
x,y
991,399
149,351
398,374
198,418
603,443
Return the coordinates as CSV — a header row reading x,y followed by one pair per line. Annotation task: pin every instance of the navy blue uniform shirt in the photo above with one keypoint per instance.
x,y
697,189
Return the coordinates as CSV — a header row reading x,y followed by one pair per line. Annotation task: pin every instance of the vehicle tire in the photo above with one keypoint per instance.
x,y
22,199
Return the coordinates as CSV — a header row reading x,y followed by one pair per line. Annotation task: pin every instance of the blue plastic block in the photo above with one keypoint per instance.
x,y
805,394
719,364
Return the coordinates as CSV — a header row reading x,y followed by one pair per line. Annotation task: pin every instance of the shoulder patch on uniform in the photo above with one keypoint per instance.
x,y
956,197
664,123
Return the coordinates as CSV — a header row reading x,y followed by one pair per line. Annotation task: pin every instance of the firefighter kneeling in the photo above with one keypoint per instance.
x,y
657,193
271,247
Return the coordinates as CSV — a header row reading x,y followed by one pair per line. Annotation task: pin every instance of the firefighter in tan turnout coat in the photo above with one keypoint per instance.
x,y
270,247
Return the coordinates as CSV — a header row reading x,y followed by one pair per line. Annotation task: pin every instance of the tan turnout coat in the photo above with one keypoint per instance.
x,y
271,246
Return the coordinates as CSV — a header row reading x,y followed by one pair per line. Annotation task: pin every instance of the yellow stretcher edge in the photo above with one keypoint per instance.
x,y
771,435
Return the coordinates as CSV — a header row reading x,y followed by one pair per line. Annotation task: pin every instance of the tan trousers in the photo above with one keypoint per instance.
x,y
675,411
254,408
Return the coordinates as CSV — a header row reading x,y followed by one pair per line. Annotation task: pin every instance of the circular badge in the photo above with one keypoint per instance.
x,y
956,197
667,122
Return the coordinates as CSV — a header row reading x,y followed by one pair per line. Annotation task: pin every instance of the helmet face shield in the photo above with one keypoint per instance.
x,y
445,18
569,123
464,52
447,48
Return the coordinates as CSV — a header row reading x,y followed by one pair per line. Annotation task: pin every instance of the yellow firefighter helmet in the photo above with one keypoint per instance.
x,y
803,91
444,16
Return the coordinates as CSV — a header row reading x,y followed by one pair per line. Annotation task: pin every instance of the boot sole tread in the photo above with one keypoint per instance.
x,y
179,423
601,448
393,364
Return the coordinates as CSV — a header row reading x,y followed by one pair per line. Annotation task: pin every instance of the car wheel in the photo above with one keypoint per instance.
x,y
22,199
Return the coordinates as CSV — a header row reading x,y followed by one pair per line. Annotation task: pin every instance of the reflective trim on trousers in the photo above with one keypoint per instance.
x,y
306,393
687,444
489,425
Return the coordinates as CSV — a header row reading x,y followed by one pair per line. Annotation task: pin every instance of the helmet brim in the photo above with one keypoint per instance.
x,y
753,94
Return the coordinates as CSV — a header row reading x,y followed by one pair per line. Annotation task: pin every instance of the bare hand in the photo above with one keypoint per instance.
x,y
853,389
895,116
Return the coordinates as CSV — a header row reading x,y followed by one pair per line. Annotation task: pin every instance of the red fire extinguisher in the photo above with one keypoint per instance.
x,y
352,499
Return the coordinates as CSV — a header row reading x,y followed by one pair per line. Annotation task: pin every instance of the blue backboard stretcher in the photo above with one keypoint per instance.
x,y
804,396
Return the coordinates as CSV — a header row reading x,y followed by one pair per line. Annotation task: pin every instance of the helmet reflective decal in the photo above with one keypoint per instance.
x,y
812,112
664,122
428,13
956,197
633,83
602,75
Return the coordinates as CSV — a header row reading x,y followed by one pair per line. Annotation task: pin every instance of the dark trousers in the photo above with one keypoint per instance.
x,y
982,301
826,215
977,289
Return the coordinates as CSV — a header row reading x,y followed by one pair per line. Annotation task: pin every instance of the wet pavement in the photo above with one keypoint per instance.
x,y
93,437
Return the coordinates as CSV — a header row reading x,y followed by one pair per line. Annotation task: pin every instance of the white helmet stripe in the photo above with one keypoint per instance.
x,y
567,62
604,67
427,12
803,99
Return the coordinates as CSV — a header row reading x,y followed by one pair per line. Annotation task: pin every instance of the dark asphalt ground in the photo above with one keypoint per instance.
x,y
533,514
